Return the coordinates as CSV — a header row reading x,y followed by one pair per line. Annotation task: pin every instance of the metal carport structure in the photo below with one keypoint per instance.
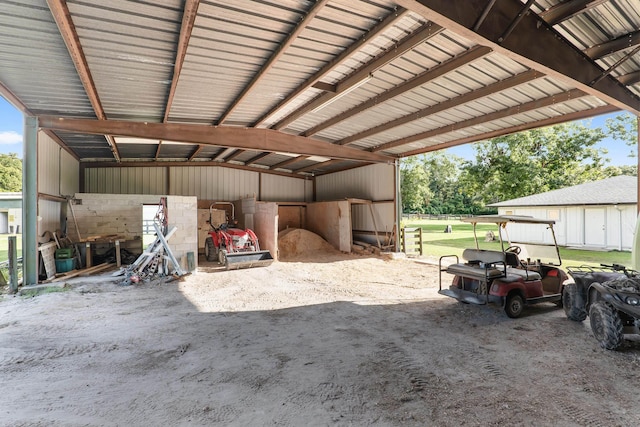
x,y
304,88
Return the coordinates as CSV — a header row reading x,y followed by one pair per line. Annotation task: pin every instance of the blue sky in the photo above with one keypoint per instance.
x,y
12,123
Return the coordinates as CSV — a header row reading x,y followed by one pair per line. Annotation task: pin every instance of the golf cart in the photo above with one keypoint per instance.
x,y
518,274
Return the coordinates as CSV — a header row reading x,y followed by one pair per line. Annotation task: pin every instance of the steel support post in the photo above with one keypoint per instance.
x,y
30,202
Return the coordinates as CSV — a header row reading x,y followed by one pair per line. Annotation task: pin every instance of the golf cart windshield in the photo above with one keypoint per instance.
x,y
531,238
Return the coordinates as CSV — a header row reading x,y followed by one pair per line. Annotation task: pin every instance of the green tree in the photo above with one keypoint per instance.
x,y
623,127
414,188
10,173
532,162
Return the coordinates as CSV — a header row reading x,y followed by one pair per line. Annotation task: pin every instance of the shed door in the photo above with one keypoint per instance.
x,y
4,222
594,227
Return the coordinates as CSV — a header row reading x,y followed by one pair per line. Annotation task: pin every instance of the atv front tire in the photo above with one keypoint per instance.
x,y
210,250
572,311
606,325
514,305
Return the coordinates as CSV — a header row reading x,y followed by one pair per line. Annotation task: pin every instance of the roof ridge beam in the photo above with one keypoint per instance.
x,y
418,37
473,95
439,70
223,136
67,29
516,109
533,45
374,32
577,115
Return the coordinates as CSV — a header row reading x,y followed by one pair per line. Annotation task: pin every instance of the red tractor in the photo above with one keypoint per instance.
x,y
233,247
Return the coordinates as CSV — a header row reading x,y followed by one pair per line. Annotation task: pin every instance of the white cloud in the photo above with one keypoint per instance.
x,y
10,137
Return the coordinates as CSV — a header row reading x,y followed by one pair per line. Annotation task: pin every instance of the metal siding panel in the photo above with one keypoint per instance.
x,y
70,175
374,182
277,188
48,165
49,211
213,183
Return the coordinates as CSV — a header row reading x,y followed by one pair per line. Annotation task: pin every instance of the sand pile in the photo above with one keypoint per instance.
x,y
296,243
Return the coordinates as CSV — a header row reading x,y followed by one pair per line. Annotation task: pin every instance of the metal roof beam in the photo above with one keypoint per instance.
x,y
630,79
366,38
568,9
282,48
435,72
241,138
510,82
195,152
517,109
532,44
601,50
288,162
233,155
427,31
189,13
256,158
318,165
578,115
62,16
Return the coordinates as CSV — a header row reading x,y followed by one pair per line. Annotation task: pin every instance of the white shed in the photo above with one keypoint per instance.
x,y
600,214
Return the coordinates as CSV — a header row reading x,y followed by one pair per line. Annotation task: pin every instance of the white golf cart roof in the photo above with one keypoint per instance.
x,y
503,219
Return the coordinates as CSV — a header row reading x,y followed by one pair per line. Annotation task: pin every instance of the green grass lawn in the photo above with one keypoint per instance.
x,y
4,246
438,243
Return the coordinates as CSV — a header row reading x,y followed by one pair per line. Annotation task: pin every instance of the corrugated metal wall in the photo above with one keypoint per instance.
x,y
213,183
49,213
374,182
136,180
275,188
57,170
204,182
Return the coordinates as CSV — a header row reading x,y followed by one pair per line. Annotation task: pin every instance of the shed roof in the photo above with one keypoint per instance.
x,y
616,190
303,87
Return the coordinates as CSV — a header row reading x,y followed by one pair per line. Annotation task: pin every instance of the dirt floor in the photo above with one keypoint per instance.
x,y
327,340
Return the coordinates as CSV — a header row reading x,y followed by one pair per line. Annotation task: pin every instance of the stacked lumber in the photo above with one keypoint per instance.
x,y
155,262
364,248
84,272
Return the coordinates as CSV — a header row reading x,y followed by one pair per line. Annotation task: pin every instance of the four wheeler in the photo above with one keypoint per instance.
x,y
233,247
610,296
517,275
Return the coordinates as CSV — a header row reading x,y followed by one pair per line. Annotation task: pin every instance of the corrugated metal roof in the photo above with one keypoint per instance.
x,y
277,64
610,191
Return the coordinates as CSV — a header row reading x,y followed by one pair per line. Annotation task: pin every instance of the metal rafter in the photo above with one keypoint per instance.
x,y
318,165
630,79
62,16
189,13
517,109
533,45
507,83
427,31
568,9
280,51
195,152
223,136
612,46
233,155
437,71
578,115
288,162
366,38
256,158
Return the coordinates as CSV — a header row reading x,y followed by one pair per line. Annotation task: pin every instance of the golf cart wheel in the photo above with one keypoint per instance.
x,y
514,305
606,325
571,310
209,249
